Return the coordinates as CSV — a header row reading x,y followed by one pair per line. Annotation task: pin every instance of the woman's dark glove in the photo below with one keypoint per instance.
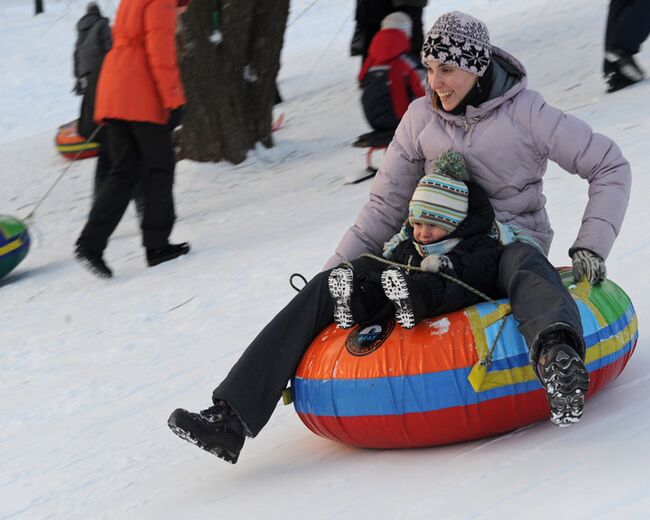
x,y
589,264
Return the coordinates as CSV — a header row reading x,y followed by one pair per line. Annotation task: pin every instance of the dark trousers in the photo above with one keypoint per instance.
x,y
540,303
103,170
628,24
252,388
255,383
128,143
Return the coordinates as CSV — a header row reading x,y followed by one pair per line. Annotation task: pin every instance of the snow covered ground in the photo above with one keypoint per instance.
x,y
91,369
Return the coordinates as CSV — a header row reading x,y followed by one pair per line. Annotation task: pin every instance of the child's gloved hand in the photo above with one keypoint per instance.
x,y
586,263
436,263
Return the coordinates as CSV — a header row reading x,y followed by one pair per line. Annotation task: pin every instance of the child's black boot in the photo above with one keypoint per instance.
x,y
217,430
340,283
409,297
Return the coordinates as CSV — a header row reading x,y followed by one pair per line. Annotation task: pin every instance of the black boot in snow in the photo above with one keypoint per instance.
x,y
340,283
621,70
159,255
566,380
217,430
92,261
404,295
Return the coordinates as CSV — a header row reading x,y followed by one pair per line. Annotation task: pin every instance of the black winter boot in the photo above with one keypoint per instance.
x,y
407,296
340,283
217,430
159,255
621,69
566,380
92,261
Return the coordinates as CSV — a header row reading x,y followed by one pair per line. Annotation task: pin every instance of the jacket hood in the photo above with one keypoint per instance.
x,y
480,215
509,77
388,44
88,20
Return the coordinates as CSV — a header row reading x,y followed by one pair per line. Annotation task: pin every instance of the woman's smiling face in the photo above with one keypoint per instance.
x,y
450,83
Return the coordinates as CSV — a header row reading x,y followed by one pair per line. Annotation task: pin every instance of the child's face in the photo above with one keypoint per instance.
x,y
428,233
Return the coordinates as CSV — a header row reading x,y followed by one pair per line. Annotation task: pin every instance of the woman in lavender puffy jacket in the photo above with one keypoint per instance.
x,y
477,103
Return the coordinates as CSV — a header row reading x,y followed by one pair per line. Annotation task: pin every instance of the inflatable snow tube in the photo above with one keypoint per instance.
x,y
14,243
389,387
72,146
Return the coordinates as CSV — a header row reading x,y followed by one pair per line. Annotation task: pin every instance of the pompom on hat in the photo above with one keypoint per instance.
x,y
461,40
441,198
398,20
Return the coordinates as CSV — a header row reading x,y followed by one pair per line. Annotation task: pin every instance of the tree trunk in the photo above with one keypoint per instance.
x,y
230,86
38,7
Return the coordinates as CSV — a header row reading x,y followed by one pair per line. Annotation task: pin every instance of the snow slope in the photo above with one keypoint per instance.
x,y
92,369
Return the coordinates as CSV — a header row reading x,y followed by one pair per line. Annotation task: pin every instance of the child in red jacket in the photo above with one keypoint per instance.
x,y
390,76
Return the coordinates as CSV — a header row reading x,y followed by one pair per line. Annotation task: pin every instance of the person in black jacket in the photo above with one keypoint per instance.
x,y
447,231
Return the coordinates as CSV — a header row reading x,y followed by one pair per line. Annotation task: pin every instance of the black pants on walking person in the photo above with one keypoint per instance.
x,y
129,142
628,24
539,300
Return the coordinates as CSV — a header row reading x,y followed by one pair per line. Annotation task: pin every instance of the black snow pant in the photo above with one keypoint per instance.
x,y
628,24
103,169
540,303
132,143
254,385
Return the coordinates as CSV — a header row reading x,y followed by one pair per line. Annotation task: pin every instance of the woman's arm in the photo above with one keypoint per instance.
x,y
382,216
572,144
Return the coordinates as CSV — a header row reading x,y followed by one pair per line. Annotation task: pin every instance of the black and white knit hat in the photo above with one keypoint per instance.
x,y
459,39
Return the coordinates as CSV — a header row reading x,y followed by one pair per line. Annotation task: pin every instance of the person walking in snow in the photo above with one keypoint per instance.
x,y
139,90
478,102
93,43
628,26
390,78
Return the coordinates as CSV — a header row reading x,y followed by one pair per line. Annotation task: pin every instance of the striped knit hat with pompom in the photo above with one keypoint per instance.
x,y
441,198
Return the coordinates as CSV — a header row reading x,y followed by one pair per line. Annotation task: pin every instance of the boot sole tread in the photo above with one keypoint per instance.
x,y
564,383
339,283
396,290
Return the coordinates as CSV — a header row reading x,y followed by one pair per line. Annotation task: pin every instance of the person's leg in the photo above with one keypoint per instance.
x,y
103,165
157,152
616,9
550,323
114,196
255,383
628,24
540,303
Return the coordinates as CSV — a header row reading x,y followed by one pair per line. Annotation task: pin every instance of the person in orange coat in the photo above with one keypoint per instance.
x,y
139,90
